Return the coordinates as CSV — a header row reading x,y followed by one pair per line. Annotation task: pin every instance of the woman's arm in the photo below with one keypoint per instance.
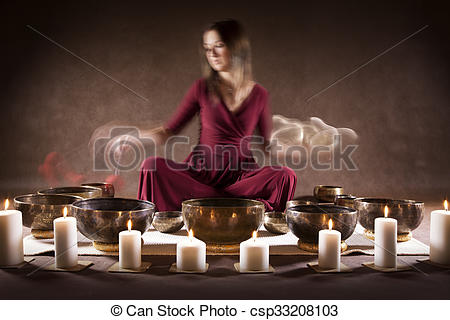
x,y
159,134
188,107
186,110
265,125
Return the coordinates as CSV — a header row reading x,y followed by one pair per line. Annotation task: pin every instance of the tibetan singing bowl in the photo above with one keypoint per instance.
x,y
296,202
39,211
78,191
275,222
107,188
327,193
168,221
223,221
101,219
409,213
345,200
305,221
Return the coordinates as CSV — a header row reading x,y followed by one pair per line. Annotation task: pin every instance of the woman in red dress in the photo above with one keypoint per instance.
x,y
230,106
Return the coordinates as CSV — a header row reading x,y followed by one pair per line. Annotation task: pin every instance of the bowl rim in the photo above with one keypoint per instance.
x,y
152,205
256,202
274,214
52,195
95,184
385,201
346,196
325,186
349,210
89,189
175,213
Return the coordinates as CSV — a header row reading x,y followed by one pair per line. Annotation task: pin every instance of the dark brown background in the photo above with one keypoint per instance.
x,y
398,104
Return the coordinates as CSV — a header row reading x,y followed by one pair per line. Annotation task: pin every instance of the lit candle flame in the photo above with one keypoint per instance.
x,y
129,224
65,212
386,211
6,204
191,235
330,224
446,205
254,234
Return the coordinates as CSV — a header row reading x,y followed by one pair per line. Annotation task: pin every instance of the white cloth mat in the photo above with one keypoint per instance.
x,y
156,243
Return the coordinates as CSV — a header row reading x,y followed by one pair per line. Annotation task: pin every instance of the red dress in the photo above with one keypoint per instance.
x,y
221,164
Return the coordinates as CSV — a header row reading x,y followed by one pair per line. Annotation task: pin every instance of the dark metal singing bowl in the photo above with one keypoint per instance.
x,y
409,213
168,221
107,188
345,200
101,219
305,221
223,221
275,222
79,191
39,210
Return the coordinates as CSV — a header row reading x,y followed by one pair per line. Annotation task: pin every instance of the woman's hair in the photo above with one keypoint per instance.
x,y
233,35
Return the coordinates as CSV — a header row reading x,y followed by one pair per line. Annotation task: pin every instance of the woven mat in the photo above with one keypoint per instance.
x,y
156,243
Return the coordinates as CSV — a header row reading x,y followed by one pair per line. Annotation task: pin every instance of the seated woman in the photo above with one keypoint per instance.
x,y
230,106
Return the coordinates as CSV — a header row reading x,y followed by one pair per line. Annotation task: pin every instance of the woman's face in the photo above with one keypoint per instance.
x,y
216,51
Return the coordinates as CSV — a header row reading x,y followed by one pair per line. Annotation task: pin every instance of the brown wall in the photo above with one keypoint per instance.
x,y
398,104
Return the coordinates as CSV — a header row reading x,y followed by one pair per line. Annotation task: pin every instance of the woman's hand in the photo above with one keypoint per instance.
x,y
159,135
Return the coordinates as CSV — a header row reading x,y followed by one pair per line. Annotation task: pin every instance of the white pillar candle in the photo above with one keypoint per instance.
x,y
254,255
385,241
130,248
11,242
65,236
440,236
330,248
191,254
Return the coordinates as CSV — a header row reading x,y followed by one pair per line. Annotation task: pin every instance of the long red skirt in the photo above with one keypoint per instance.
x,y
167,183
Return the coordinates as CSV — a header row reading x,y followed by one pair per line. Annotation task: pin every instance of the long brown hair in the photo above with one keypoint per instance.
x,y
235,38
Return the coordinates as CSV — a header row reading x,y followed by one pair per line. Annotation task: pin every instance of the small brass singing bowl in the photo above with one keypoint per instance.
x,y
101,219
305,222
223,223
275,222
327,193
168,221
78,191
296,202
107,188
345,200
408,213
39,211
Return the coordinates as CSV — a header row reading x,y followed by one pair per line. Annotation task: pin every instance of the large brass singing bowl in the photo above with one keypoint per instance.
x,y
107,188
78,191
101,219
305,221
39,211
409,214
223,221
